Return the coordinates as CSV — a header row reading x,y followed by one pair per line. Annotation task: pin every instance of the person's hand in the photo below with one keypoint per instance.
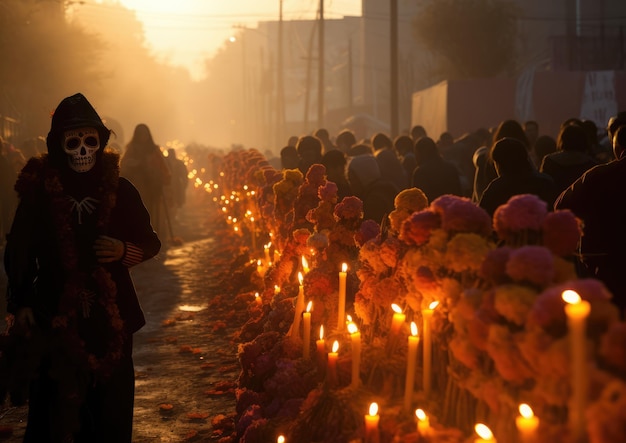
x,y
108,249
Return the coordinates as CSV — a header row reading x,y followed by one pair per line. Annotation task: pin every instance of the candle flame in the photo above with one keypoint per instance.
x,y
281,439
256,295
570,297
258,262
276,289
300,278
265,247
433,305
397,309
483,431
305,264
335,346
526,411
349,317
309,306
413,329
420,414
344,267
352,328
374,409
322,332
269,245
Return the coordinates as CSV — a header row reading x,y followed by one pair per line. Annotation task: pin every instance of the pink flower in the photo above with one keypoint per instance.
x,y
460,214
493,268
369,230
316,175
416,229
534,264
520,213
327,192
561,232
349,208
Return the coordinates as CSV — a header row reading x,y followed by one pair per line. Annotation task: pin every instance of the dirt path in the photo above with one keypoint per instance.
x,y
185,360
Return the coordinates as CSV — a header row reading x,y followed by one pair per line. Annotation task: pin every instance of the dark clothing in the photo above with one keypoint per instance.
x,y
378,200
409,163
437,177
500,190
391,168
565,167
83,309
596,198
485,172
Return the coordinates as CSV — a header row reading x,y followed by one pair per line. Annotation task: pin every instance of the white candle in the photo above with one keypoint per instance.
x,y
259,267
355,336
577,311
253,233
371,425
427,315
341,305
320,345
527,423
266,249
398,319
411,362
484,434
306,331
331,373
295,327
423,422
258,298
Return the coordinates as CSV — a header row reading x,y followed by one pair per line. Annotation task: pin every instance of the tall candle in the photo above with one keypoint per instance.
x,y
411,362
527,423
331,373
306,331
295,327
423,422
398,319
577,311
355,336
341,305
484,434
258,298
427,315
372,434
320,345
305,265
253,233
266,248
276,255
259,267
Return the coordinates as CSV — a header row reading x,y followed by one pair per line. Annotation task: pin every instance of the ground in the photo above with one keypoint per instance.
x,y
185,358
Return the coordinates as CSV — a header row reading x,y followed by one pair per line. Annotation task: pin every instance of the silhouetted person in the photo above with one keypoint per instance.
x,y
389,164
544,145
377,195
417,132
289,157
403,145
434,175
78,229
180,180
310,152
335,163
324,136
516,175
345,140
572,158
144,165
8,197
596,198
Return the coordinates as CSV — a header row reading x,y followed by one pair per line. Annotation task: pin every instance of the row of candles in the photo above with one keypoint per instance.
x,y
576,309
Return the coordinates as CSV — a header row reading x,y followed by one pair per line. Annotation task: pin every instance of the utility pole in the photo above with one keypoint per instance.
x,y
394,67
280,83
320,70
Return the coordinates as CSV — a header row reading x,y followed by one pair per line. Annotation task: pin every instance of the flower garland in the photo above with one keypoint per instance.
x,y
74,286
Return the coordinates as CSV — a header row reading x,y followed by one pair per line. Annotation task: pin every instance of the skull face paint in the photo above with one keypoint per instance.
x,y
81,145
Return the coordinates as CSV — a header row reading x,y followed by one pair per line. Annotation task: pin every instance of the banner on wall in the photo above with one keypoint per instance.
x,y
599,101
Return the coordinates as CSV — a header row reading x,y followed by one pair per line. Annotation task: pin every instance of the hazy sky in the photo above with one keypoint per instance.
x,y
187,31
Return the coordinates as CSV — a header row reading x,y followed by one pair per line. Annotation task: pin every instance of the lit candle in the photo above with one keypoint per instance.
x,y
398,319
280,439
484,434
423,422
276,289
331,373
305,265
411,362
371,425
253,233
527,423
320,346
276,255
427,315
306,331
295,327
258,298
355,336
341,305
577,311
259,267
266,248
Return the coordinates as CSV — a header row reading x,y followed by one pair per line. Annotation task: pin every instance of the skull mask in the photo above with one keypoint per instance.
x,y
81,145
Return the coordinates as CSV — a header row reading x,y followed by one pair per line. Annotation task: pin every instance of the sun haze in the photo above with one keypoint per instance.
x,y
186,32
